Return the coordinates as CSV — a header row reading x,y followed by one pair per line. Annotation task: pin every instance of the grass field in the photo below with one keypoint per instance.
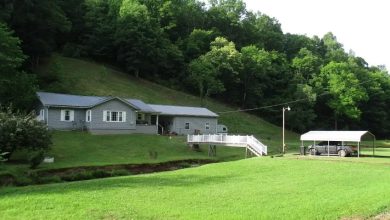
x,y
257,188
73,149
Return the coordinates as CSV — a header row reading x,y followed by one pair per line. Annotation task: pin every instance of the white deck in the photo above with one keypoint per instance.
x,y
246,141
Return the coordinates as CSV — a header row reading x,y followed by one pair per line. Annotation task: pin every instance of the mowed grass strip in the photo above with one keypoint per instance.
x,y
74,148
257,188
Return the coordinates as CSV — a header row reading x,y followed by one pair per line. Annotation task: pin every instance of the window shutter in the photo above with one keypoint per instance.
x,y
124,116
62,115
71,112
86,115
104,115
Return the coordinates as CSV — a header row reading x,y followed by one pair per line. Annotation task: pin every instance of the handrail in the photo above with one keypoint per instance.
x,y
250,141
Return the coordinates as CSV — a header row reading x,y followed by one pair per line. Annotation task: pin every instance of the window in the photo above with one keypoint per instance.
x,y
67,115
207,126
114,116
187,126
88,116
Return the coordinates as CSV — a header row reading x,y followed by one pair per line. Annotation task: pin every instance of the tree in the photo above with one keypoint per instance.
x,y
256,63
11,56
198,43
16,87
212,70
334,50
37,23
100,29
136,37
204,76
344,88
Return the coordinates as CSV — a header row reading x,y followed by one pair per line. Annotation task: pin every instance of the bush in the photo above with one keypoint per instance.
x,y
36,159
79,175
48,179
20,131
101,173
121,172
24,181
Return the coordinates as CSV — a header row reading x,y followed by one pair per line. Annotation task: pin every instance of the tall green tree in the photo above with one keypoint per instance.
x,y
255,65
344,88
16,87
37,23
211,70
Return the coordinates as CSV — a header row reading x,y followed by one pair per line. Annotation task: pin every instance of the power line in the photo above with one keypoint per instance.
x,y
284,103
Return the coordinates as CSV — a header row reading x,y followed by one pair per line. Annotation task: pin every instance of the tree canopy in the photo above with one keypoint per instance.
x,y
218,49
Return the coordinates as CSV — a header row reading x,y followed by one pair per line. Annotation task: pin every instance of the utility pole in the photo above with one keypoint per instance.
x,y
284,109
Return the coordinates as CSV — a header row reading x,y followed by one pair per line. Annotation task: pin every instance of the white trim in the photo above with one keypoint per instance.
x,y
47,121
88,115
107,116
63,115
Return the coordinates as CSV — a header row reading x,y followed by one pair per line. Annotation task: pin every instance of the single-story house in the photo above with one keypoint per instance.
x,y
116,115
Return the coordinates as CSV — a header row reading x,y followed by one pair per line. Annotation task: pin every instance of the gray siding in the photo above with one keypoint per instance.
x,y
198,123
140,130
97,122
146,129
54,119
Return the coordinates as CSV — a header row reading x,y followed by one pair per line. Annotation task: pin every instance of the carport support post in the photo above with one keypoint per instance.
x,y
359,149
328,148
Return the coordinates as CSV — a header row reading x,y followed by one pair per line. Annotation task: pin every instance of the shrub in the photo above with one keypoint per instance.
x,y
101,173
24,181
120,172
78,175
22,131
48,179
36,159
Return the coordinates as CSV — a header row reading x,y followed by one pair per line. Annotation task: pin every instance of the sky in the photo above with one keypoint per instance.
x,y
362,26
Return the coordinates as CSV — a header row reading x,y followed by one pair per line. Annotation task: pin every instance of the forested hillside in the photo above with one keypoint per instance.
x,y
216,50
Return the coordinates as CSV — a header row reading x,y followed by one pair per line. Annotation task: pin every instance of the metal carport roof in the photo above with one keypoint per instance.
x,y
355,136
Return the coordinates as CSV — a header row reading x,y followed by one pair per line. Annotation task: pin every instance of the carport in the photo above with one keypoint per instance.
x,y
343,136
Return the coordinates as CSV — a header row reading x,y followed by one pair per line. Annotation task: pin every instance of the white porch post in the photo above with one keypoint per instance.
x,y
157,123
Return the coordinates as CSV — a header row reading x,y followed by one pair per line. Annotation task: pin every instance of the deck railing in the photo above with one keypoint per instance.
x,y
249,141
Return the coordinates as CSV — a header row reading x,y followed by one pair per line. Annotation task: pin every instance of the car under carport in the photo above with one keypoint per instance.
x,y
343,136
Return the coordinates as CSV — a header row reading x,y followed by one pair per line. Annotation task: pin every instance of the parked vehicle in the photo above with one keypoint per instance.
x,y
335,147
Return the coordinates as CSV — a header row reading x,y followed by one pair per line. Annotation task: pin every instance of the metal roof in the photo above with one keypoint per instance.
x,y
183,110
354,136
141,105
56,99
77,101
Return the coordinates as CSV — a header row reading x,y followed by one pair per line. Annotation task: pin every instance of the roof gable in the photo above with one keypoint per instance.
x,y
116,98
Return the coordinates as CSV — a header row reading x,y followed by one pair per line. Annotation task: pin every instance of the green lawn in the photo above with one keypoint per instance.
x,y
257,188
83,149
